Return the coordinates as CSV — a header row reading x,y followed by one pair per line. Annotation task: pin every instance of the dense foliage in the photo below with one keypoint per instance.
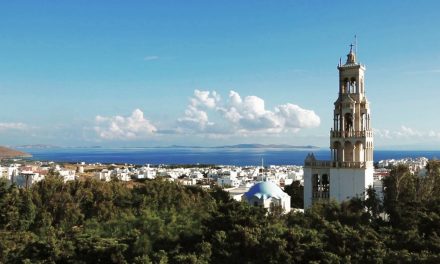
x,y
162,222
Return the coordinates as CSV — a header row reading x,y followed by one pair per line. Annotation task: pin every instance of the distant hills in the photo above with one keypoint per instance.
x,y
7,153
280,146
269,146
37,146
44,146
237,146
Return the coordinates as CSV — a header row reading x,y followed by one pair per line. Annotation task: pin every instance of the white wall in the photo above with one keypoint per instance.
x,y
346,183
307,187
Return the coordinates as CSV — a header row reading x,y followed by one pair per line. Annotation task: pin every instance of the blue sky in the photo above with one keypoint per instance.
x,y
138,73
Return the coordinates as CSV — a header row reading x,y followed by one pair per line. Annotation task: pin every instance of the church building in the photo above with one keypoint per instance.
x,y
350,170
268,195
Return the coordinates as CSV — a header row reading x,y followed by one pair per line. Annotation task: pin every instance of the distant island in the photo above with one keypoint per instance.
x,y
237,146
280,146
44,146
7,153
36,146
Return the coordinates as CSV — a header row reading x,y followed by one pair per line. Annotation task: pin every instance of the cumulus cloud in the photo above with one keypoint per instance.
x,y
12,126
238,115
196,116
296,117
130,127
205,98
208,114
194,119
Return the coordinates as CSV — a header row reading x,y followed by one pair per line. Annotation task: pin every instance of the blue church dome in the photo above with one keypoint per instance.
x,y
265,190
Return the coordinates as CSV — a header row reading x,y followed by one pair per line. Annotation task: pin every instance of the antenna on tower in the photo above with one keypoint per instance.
x,y
355,45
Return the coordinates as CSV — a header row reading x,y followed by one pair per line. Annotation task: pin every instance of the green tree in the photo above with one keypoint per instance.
x,y
296,192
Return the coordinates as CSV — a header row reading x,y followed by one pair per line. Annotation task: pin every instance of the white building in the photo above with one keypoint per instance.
x,y
195,174
233,182
121,174
228,178
296,173
104,175
146,173
26,178
67,175
80,169
350,171
4,173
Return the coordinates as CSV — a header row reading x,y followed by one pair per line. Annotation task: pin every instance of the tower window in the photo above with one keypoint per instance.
x,y
348,122
353,85
325,183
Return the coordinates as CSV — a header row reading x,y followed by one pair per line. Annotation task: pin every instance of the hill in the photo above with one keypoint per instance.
x,y
7,153
245,146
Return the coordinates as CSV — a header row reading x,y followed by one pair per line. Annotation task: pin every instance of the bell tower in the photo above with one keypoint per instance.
x,y
350,170
351,138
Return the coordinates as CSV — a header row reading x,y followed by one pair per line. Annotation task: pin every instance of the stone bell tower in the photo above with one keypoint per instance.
x,y
351,138
350,170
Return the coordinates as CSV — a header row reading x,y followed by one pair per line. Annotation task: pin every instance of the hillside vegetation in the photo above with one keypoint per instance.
x,y
163,222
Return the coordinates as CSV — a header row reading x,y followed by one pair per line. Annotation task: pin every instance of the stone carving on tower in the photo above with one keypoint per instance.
x,y
350,170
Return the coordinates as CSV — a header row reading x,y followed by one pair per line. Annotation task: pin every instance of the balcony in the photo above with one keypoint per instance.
x,y
320,195
335,164
351,134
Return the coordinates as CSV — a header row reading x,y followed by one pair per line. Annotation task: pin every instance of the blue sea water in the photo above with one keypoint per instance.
x,y
218,156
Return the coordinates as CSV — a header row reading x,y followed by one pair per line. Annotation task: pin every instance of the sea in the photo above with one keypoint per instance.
x,y
214,156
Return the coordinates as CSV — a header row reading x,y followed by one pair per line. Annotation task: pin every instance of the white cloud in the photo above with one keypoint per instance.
x,y
242,116
406,132
207,114
194,119
205,98
151,58
131,127
382,133
297,117
12,126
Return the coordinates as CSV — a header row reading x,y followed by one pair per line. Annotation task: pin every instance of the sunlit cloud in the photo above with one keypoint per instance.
x,y
405,132
119,127
242,116
4,126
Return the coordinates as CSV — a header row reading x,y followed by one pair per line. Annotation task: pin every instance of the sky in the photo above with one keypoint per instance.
x,y
208,73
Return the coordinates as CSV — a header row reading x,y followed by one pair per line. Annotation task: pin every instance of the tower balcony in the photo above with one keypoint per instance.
x,y
351,134
318,195
337,164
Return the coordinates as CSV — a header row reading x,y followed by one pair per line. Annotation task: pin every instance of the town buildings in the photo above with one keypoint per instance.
x,y
24,175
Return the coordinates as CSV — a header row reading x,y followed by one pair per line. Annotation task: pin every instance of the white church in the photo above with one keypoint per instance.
x,y
350,170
